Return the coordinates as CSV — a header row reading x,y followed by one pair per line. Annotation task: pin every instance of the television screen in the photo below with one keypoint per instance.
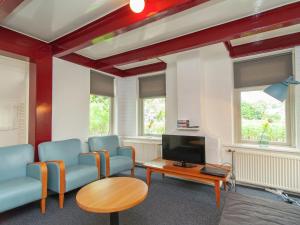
x,y
186,149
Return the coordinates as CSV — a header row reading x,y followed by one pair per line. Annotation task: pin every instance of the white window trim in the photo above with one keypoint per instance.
x,y
290,118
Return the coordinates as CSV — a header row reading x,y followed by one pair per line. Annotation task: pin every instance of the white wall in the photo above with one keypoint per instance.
x,y
13,101
71,91
127,113
199,88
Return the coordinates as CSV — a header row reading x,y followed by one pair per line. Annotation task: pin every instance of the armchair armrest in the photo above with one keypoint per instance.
x,y
127,151
39,171
90,158
56,175
105,161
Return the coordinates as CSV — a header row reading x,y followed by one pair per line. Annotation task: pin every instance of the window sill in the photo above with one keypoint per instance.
x,y
272,148
142,139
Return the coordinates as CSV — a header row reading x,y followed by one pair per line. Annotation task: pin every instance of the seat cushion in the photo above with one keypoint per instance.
x,y
119,164
14,160
110,143
80,175
19,191
66,150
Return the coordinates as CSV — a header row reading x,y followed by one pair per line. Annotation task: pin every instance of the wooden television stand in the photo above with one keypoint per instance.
x,y
167,167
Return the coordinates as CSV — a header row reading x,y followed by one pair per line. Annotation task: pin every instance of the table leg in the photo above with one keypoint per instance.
x,y
148,178
218,193
114,218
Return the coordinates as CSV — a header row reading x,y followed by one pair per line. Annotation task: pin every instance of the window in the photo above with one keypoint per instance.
x,y
152,91
101,104
153,116
260,118
100,115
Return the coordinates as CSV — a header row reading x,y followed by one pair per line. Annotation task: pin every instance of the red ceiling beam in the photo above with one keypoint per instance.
x,y
272,44
19,44
7,6
118,22
280,17
146,69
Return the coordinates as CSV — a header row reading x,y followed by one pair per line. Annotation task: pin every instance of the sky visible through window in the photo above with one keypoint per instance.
x,y
263,118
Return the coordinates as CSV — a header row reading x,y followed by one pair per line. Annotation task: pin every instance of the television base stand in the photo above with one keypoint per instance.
x,y
167,167
184,164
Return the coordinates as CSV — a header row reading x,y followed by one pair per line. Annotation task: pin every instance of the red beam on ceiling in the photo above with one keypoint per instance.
x,y
19,44
279,17
7,6
87,62
118,22
267,45
146,69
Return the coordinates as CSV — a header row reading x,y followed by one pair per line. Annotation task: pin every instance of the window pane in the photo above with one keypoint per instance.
x,y
263,118
154,116
100,113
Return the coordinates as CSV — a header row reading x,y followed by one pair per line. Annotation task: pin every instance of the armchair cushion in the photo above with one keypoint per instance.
x,y
87,159
34,171
119,164
19,191
125,151
67,150
110,143
79,175
14,160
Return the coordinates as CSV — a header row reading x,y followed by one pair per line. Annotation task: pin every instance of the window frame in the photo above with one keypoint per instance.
x,y
111,121
141,116
289,115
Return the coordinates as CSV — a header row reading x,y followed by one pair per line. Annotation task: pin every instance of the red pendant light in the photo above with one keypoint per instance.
x,y
137,6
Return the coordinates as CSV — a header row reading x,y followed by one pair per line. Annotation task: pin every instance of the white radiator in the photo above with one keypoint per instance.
x,y
268,169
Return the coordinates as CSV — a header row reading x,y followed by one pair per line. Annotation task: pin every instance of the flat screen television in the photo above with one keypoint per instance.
x,y
184,150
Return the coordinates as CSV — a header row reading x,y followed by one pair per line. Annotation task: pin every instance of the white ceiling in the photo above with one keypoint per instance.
x,y
206,15
49,19
266,35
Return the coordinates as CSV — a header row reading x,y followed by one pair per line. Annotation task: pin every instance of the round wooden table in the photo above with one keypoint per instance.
x,y
112,195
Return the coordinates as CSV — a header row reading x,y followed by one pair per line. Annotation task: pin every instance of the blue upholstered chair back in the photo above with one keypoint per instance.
x,y
110,143
67,150
13,161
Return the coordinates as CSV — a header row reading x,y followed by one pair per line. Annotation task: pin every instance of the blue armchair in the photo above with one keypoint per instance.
x,y
114,159
21,180
68,167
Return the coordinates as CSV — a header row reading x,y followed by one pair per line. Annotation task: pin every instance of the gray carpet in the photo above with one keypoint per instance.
x,y
170,202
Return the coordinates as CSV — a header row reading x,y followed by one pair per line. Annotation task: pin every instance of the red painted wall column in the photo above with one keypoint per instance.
x,y
40,98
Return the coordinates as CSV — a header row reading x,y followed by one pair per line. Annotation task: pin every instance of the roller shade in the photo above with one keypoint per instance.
x,y
101,84
152,86
263,71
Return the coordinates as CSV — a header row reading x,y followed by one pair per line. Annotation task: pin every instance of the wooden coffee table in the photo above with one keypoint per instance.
x,y
112,195
167,167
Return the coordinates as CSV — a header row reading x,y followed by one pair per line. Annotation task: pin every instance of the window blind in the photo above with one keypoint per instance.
x,y
101,84
152,86
263,71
